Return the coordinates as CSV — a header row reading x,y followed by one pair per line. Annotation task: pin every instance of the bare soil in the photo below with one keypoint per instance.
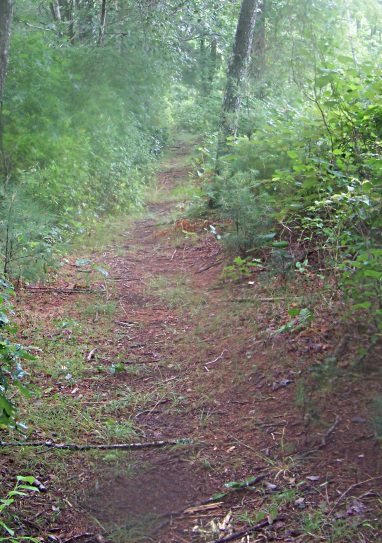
x,y
191,355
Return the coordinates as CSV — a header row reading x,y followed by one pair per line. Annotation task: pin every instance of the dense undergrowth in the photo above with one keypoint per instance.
x,y
305,188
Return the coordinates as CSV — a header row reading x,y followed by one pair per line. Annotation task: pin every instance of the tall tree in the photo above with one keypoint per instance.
x,y
6,13
236,71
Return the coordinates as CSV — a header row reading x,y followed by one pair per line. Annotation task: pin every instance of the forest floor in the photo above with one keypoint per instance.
x,y
270,433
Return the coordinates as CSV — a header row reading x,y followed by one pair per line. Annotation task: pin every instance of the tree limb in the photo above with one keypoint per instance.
x,y
75,447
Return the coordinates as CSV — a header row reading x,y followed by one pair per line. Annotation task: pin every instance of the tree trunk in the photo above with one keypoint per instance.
x,y
102,25
55,10
6,13
236,72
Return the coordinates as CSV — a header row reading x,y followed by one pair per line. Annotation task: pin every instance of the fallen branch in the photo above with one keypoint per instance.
x,y
210,266
63,290
117,446
258,299
75,537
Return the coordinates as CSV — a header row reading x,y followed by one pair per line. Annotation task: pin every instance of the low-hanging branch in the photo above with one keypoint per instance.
x,y
75,447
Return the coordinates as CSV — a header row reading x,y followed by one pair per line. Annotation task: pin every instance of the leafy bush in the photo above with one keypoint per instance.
x,y
28,236
314,168
82,125
11,371
23,483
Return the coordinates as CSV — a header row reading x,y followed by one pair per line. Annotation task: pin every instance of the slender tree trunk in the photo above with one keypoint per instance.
x,y
6,14
203,66
213,62
102,25
55,10
236,72
257,64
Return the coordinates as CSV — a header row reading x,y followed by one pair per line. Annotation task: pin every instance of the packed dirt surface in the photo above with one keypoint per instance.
x,y
266,439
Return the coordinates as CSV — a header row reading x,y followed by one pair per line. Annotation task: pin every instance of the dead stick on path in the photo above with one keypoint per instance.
x,y
323,439
210,266
63,290
75,537
216,359
330,431
351,488
117,446
91,354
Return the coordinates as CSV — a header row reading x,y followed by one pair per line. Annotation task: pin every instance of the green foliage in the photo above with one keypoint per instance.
x,y
241,267
27,237
301,319
313,168
11,371
23,483
240,199
82,125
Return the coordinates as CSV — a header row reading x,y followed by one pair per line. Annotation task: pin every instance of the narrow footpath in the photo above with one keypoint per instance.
x,y
183,353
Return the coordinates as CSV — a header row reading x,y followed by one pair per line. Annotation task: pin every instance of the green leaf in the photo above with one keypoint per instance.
x,y
373,273
324,80
23,389
219,496
233,484
102,270
26,479
8,529
6,405
363,305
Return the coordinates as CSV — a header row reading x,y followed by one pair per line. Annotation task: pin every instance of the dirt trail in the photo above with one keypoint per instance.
x,y
189,356
218,383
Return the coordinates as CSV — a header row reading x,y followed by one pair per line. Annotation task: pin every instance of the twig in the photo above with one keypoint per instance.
x,y
173,254
330,431
216,359
210,266
351,488
257,299
75,537
368,352
63,290
117,446
323,440
91,354
128,323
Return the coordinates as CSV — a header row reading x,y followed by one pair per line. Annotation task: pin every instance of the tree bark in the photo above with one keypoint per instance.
x,y
55,10
6,14
102,25
236,72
